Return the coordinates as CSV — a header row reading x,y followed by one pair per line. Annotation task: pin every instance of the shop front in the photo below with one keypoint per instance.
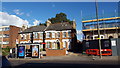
x,y
29,50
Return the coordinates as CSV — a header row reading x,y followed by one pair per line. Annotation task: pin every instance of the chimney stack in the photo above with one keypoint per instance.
x,y
74,24
48,22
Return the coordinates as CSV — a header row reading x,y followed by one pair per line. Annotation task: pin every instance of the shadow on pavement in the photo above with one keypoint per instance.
x,y
63,65
5,62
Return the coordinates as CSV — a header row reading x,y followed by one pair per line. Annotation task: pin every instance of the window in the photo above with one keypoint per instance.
x,y
48,35
6,35
41,35
64,34
48,45
36,35
64,44
4,43
106,43
54,46
69,34
23,37
5,29
53,35
58,35
87,44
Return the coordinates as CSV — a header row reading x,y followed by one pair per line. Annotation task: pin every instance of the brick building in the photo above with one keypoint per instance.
x,y
109,28
8,36
56,36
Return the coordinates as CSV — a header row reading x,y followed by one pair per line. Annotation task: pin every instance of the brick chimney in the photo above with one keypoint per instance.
x,y
48,22
24,27
74,24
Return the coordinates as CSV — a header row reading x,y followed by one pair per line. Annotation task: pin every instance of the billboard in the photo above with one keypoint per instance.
x,y
35,51
21,52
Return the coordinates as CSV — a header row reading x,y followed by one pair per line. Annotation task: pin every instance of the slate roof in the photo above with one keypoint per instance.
x,y
56,26
34,29
60,26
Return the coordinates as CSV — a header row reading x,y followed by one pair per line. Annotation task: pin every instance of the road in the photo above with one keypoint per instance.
x,y
63,61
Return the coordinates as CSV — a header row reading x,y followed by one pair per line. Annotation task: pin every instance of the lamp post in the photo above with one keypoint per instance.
x,y
99,40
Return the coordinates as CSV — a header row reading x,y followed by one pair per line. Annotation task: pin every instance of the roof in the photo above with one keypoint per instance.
x,y
60,26
34,29
55,26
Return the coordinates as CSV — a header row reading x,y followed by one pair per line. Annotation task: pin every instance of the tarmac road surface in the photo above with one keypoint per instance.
x,y
64,61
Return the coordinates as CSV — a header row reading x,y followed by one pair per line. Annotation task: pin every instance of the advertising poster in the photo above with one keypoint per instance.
x,y
21,51
35,52
113,42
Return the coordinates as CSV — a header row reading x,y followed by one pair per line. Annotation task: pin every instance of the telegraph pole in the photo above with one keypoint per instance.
x,y
99,40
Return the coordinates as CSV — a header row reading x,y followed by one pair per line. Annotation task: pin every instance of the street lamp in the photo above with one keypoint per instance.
x,y
99,40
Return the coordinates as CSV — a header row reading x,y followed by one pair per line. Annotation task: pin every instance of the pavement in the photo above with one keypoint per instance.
x,y
77,60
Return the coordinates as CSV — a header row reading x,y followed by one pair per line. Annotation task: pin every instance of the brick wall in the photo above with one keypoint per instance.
x,y
13,35
55,52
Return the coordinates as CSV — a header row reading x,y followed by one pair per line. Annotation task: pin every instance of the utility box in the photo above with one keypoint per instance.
x,y
115,46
